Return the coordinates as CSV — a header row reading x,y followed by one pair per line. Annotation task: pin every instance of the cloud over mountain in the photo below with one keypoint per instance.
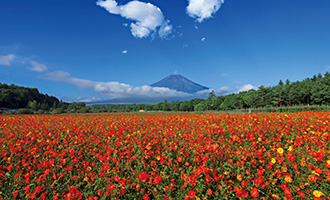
x,y
113,89
147,18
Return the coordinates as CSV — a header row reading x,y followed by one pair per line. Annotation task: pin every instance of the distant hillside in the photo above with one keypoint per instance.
x,y
179,83
14,97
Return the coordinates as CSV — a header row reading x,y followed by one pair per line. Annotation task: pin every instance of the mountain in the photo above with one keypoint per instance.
x,y
179,83
175,82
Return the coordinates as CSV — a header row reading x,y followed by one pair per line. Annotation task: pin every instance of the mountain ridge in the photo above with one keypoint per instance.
x,y
179,83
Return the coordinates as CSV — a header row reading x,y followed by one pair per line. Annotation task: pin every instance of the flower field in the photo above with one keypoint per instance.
x,y
165,156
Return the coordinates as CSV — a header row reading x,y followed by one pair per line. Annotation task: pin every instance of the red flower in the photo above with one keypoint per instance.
x,y
157,179
75,160
301,194
254,192
43,195
122,183
258,180
191,194
15,193
318,170
242,193
112,187
123,191
143,176
287,191
69,168
209,192
260,172
145,197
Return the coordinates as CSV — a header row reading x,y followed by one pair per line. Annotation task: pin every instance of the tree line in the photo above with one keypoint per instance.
x,y
24,100
310,91
15,97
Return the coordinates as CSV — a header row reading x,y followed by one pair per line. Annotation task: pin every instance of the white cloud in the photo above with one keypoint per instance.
x,y
225,74
246,87
7,60
203,9
124,52
203,39
37,67
66,77
196,27
121,90
219,92
82,99
114,89
185,46
147,18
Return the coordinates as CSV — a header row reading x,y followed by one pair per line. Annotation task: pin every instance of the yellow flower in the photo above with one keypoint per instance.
x,y
273,160
280,150
317,193
315,173
290,148
328,162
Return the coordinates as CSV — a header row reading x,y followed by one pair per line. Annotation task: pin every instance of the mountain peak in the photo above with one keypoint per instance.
x,y
179,83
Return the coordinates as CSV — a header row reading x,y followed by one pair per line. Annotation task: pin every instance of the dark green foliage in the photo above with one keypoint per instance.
x,y
14,97
29,101
24,111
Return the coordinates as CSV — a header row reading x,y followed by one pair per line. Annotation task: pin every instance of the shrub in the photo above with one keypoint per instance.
x,y
24,111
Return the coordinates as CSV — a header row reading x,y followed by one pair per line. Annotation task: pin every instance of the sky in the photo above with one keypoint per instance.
x,y
95,50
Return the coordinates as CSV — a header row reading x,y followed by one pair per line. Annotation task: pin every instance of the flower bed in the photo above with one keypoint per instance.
x,y
165,156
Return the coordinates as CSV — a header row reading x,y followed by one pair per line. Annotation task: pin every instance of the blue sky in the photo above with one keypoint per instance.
x,y
91,50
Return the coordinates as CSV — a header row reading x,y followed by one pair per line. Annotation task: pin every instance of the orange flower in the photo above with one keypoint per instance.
x,y
288,178
239,177
209,192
